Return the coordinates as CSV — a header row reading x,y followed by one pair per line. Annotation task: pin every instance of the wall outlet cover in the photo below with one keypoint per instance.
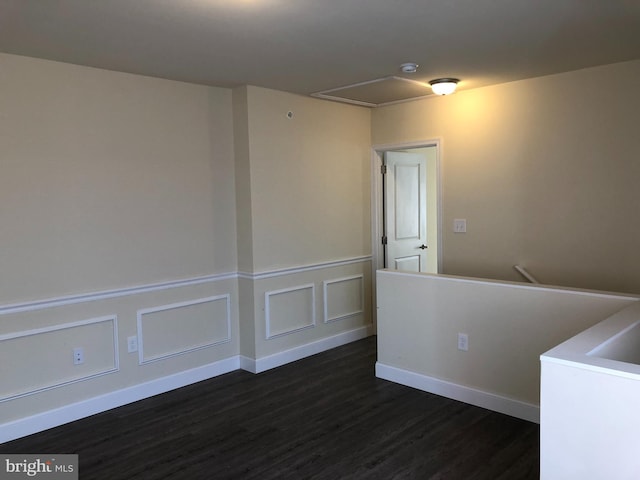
x,y
132,344
78,356
463,342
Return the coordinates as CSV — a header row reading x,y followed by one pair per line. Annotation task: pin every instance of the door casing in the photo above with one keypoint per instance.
x,y
377,207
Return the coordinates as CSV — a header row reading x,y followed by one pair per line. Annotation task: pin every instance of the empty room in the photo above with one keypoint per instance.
x,y
255,239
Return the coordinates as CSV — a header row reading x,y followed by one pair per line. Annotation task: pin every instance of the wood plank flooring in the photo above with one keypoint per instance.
x,y
323,417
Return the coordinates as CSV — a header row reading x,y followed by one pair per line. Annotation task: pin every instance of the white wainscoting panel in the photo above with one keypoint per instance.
x,y
289,310
43,304
303,268
343,297
179,328
45,356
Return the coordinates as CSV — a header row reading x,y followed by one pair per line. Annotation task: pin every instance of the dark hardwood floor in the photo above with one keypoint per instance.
x,y
324,417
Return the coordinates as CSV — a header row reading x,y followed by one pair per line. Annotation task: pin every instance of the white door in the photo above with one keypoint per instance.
x,y
405,195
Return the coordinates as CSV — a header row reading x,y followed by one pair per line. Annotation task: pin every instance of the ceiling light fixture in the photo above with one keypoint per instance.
x,y
444,86
409,67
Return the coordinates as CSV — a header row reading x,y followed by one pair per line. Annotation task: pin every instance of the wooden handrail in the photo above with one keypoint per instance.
x,y
523,271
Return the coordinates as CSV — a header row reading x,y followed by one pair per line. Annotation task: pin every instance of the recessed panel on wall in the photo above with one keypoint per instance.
x,y
289,310
36,360
343,297
408,264
407,192
179,328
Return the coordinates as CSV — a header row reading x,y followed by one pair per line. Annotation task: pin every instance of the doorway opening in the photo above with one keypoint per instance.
x,y
407,207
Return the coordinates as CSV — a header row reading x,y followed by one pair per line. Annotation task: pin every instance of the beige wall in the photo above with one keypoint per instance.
x,y
117,206
244,220
303,190
134,206
544,171
110,180
310,189
243,179
509,325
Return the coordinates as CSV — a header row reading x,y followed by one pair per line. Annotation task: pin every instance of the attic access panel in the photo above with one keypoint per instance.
x,y
375,93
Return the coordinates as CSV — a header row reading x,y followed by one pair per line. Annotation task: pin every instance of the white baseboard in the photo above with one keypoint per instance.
x,y
472,396
75,411
281,358
59,416
248,364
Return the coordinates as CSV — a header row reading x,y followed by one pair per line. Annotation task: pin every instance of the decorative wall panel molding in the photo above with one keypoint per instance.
x,y
106,294
343,297
45,356
153,287
304,268
179,328
289,310
411,263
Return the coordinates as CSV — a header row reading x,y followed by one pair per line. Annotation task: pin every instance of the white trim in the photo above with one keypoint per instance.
x,y
303,268
324,93
42,421
377,227
31,306
282,358
248,364
325,298
595,364
517,285
594,352
65,326
59,416
333,98
54,328
143,361
440,203
472,396
105,294
267,310
383,147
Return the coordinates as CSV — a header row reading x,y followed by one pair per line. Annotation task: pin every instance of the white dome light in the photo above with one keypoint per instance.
x,y
444,86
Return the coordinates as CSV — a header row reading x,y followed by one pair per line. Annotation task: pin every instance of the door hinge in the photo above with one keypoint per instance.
x,y
383,169
384,240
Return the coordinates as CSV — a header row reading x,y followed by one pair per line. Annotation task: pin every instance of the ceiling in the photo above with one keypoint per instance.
x,y
307,46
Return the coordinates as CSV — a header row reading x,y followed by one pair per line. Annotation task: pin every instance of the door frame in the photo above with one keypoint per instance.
x,y
377,208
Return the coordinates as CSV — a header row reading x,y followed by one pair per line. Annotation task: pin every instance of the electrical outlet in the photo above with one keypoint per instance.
x,y
132,344
463,342
78,356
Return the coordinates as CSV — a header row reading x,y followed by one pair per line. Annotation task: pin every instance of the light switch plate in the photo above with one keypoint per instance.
x,y
460,225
